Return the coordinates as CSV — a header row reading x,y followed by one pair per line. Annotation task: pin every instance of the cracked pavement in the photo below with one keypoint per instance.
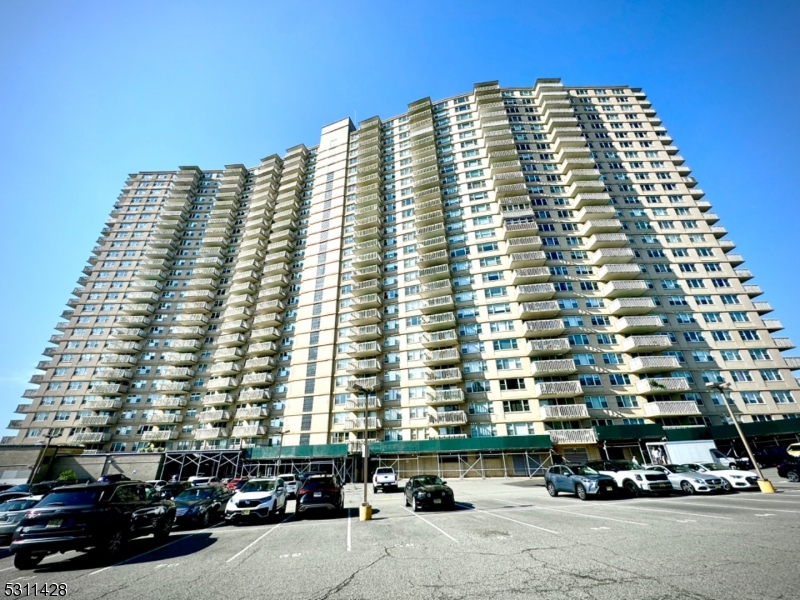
x,y
508,539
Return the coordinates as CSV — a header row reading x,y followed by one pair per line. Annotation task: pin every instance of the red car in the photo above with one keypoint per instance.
x,y
237,482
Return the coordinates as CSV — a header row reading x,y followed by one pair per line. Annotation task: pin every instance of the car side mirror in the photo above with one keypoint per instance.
x,y
444,483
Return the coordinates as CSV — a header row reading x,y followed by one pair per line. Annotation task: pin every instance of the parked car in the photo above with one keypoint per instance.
x,y
101,516
770,456
580,480
301,477
793,450
169,491
157,483
236,483
200,505
291,485
383,479
202,480
11,513
428,491
257,499
113,477
732,479
688,481
25,489
320,493
632,478
790,468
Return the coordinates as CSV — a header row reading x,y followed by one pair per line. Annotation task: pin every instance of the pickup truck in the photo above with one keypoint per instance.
x,y
384,477
632,478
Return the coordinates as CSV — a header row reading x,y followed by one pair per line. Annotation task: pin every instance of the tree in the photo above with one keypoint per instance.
x,y
68,476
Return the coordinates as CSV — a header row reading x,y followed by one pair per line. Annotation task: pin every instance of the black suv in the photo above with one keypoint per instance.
x,y
790,468
320,493
101,516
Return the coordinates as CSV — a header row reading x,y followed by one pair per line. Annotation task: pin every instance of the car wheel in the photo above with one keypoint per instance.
x,y
162,533
687,487
374,490
631,489
25,560
793,476
581,492
112,546
726,485
206,519
551,489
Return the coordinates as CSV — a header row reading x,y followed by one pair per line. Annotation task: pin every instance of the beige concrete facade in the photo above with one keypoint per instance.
x,y
509,261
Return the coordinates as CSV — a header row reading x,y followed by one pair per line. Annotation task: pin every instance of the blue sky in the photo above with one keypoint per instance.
x,y
91,91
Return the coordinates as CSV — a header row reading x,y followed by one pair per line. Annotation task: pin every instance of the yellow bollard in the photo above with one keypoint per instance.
x,y
765,486
365,512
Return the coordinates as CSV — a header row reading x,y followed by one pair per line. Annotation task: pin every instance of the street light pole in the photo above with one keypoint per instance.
x,y
47,437
365,514
722,388
280,451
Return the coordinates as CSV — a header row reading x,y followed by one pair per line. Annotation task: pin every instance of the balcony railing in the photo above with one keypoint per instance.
x,y
563,411
572,436
455,417
671,409
662,385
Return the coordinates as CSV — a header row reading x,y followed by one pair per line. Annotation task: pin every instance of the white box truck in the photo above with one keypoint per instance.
x,y
680,453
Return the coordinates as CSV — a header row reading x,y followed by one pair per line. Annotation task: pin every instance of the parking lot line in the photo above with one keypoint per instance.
x,y
349,515
746,499
663,510
723,506
258,539
127,560
486,512
444,533
569,512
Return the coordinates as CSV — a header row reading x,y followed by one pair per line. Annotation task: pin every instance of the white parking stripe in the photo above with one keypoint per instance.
x,y
258,539
486,512
728,506
431,524
568,512
676,512
349,515
127,560
759,499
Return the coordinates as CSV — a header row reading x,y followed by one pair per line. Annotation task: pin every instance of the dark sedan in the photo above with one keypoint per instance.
x,y
198,506
580,480
789,468
169,491
320,493
428,491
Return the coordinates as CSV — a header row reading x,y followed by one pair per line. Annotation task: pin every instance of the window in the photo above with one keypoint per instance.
x,y
619,379
590,380
770,375
516,406
595,402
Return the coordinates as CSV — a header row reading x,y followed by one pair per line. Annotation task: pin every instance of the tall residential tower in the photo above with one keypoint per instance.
x,y
529,263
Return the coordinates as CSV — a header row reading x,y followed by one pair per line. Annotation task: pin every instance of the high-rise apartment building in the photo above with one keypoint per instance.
x,y
528,266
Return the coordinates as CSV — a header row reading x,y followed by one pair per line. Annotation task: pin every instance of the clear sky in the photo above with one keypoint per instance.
x,y
91,91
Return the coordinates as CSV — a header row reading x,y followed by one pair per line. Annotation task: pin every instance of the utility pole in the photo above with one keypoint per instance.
x,y
365,513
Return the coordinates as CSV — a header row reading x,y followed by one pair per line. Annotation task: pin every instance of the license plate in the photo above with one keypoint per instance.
x,y
246,512
437,501
54,523
317,494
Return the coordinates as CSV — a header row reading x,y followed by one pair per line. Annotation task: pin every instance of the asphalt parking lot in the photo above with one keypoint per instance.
x,y
508,539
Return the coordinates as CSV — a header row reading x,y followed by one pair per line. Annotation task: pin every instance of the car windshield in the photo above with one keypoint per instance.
x,y
624,465
258,486
13,505
428,480
584,470
70,498
318,484
679,468
195,494
384,471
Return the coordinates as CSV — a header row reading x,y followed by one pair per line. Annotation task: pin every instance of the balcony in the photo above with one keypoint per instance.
x,y
224,368
89,438
159,436
270,306
439,397
437,257
164,418
562,412
434,273
127,333
783,343
430,231
547,368
599,227
588,199
530,275
254,395
103,404
773,325
365,349
532,258
538,310
535,291
265,334
593,212
631,306
543,328
372,272
431,244
619,289
369,384
131,347
611,256
515,230
117,360
671,409
187,332
243,431
557,389
630,325
168,402
26,408
443,376
104,373
212,433
371,286
365,333
548,347
253,412
441,357
662,385
109,388
100,421
436,288
137,309
572,436
453,417
361,367
606,240
179,358
653,364
260,364
365,317
524,244
437,339
354,404
359,425
258,378
222,383
612,272
646,343
437,305
210,416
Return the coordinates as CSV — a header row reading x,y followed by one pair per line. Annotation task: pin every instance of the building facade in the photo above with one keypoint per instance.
x,y
533,263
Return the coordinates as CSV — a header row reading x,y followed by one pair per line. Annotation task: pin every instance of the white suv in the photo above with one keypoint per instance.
x,y
632,478
257,499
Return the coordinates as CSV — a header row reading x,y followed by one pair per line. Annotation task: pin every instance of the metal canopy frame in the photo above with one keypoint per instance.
x,y
472,464
343,468
210,463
